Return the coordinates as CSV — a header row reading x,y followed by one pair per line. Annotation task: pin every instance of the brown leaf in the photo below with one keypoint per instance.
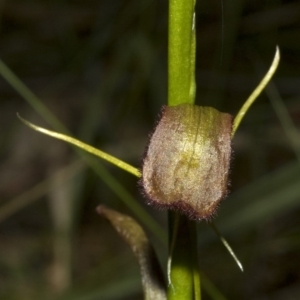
x,y
152,277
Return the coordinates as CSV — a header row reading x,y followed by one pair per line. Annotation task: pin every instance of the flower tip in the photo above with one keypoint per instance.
x,y
277,53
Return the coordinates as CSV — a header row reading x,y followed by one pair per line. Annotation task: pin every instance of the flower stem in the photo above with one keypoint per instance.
x,y
183,272
182,45
181,283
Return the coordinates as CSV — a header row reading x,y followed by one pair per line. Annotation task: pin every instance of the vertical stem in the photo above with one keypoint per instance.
x,y
183,265
181,68
181,285
183,272
196,271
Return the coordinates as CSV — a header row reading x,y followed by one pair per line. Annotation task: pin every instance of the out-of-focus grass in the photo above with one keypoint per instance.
x,y
100,67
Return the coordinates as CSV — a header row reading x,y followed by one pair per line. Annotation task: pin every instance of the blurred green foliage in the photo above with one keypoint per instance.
x,y
101,68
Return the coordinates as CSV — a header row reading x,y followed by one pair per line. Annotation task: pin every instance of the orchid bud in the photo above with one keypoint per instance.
x,y
187,161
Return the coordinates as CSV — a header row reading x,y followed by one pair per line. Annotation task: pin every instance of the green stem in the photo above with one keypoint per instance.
x,y
183,272
181,279
183,268
181,68
196,271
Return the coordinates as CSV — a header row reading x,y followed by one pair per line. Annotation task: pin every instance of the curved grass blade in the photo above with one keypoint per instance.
x,y
227,246
109,180
113,160
256,92
29,96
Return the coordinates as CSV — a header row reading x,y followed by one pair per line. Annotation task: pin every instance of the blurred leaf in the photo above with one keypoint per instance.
x,y
34,194
135,237
117,290
211,289
264,198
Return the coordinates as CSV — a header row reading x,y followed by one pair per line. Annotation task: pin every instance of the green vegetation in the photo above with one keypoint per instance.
x,y
81,257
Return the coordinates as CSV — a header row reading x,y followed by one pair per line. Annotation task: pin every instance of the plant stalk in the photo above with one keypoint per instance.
x,y
184,278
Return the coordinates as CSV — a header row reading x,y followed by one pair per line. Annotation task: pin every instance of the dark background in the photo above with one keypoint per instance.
x,y
101,68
